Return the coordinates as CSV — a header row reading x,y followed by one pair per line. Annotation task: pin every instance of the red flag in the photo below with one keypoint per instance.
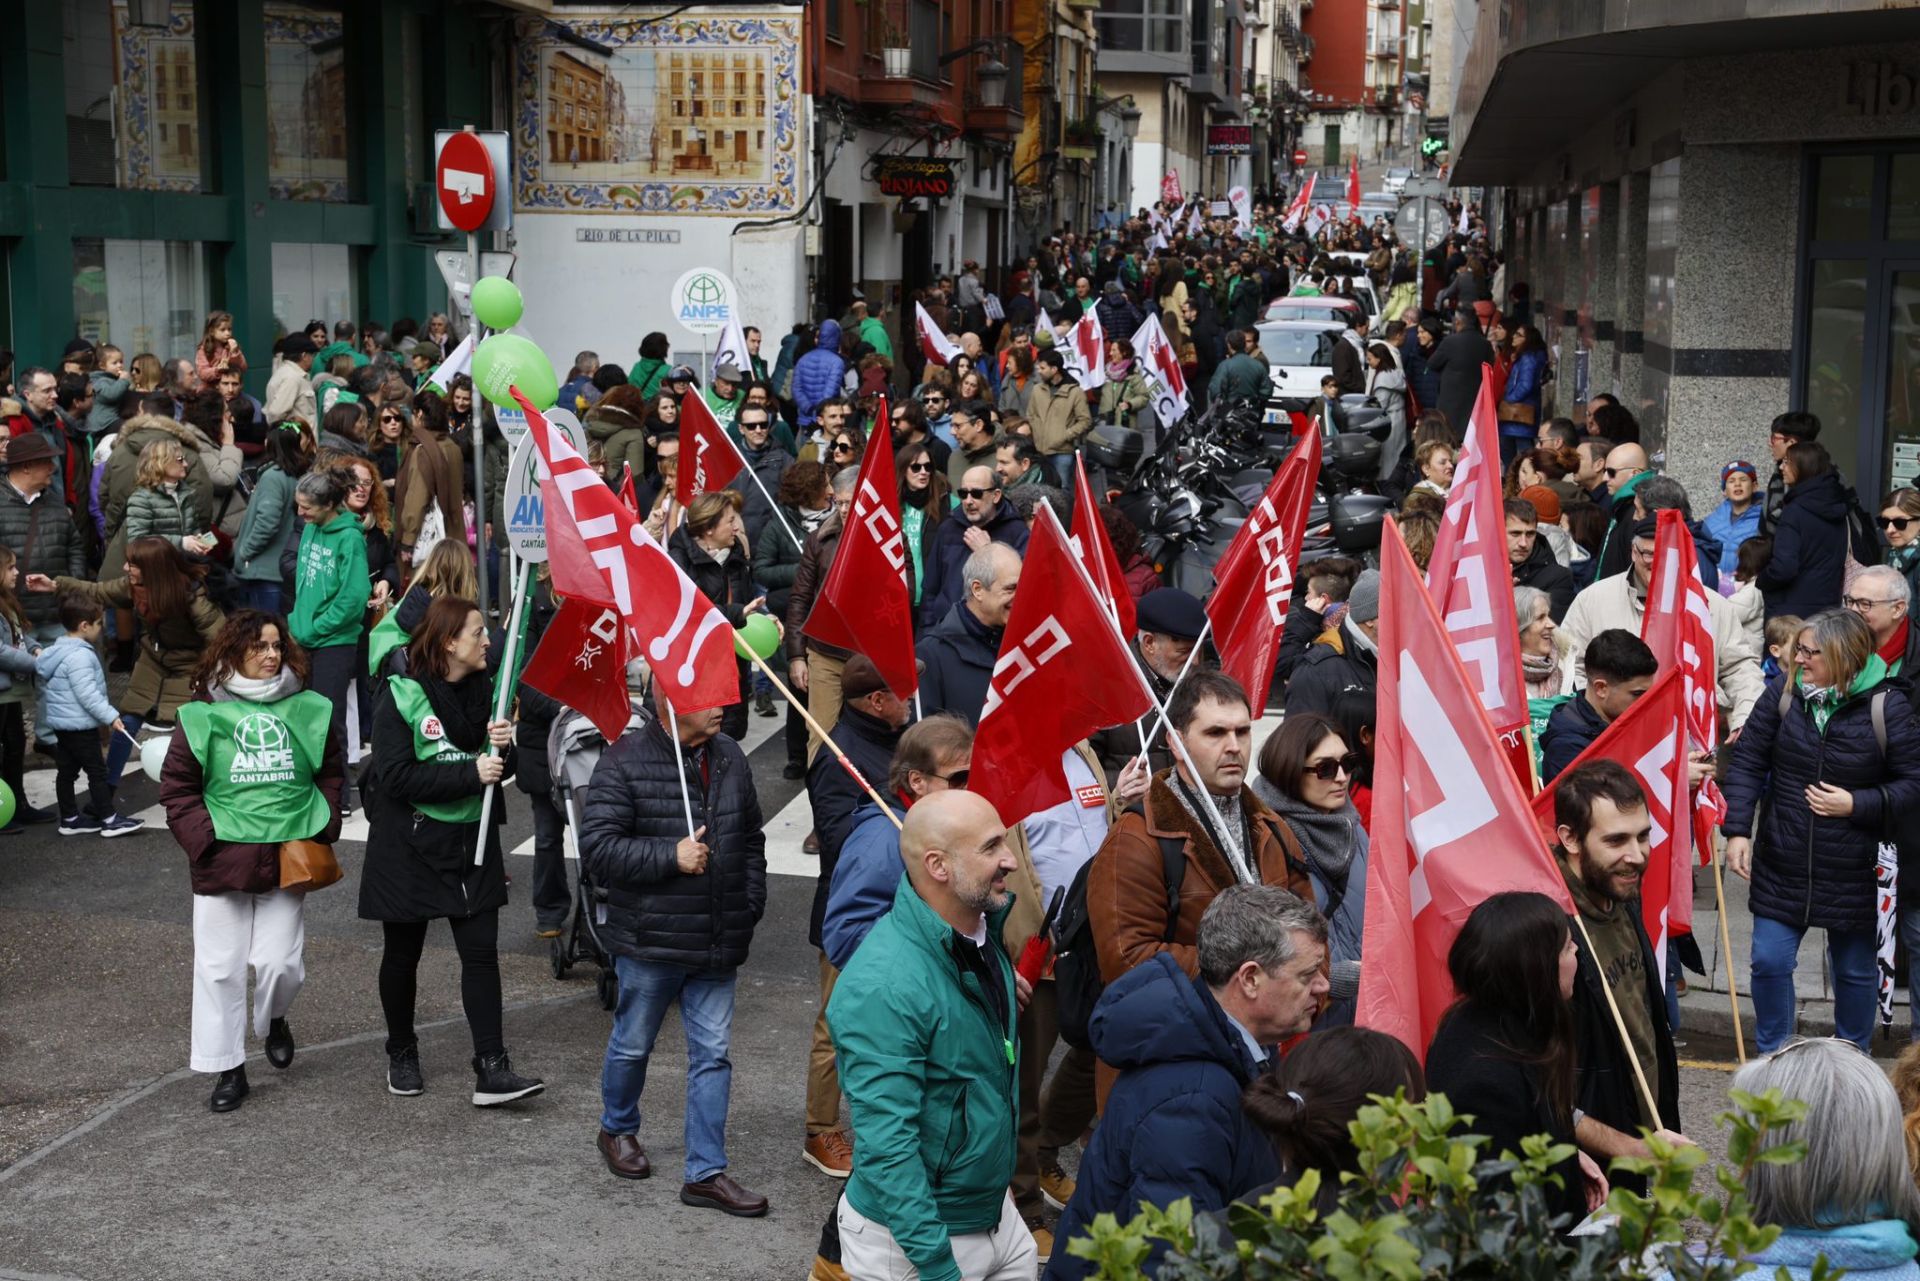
x,y
1678,628
628,494
582,663
1650,739
1063,672
864,605
1353,187
1162,363
599,552
1298,209
708,460
1456,829
1253,583
1472,582
1095,552
933,343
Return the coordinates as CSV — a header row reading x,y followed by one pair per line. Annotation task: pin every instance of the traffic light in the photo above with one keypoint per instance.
x,y
1431,146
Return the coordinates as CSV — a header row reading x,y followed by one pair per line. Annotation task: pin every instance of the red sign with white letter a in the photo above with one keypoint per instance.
x,y
864,605
1455,831
1063,672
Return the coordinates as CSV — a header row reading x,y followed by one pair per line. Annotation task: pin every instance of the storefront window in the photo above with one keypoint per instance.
x,y
133,99
306,103
140,295
1834,329
1842,198
312,282
1903,198
1903,377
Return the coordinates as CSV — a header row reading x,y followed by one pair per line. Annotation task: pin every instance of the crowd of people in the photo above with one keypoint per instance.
x,y
289,584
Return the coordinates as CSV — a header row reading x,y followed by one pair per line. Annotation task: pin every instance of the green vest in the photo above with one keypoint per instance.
x,y
430,743
387,635
258,761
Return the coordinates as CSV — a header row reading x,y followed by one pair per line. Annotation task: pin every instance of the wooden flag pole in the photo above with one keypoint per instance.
x,y
852,771
1726,953
1620,1025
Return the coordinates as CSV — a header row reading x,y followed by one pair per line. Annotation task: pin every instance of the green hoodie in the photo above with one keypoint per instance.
x,y
330,583
647,373
932,1077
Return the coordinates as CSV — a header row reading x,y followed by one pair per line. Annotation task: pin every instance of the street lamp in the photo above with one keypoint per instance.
x,y
991,80
1129,120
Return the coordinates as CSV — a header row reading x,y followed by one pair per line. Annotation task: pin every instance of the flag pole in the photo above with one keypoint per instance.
x,y
852,770
679,765
1199,642
1726,950
1620,1025
504,687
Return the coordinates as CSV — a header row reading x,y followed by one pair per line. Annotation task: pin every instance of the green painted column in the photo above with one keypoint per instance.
x,y
230,39
33,118
377,56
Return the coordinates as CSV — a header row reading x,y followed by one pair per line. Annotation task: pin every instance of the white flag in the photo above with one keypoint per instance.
x,y
732,350
1084,351
933,344
1242,201
1161,364
459,361
1462,228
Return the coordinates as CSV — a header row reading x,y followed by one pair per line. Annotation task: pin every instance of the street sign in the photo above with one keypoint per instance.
x,y
1299,159
1423,222
456,269
468,170
704,300
526,515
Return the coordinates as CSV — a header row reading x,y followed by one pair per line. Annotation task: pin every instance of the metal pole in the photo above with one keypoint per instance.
x,y
480,540
503,691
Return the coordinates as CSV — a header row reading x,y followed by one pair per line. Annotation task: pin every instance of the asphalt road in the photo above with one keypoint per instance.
x,y
112,1167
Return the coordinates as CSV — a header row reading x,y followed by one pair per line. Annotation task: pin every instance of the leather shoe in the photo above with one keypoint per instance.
x,y
230,1091
624,1155
722,1193
279,1043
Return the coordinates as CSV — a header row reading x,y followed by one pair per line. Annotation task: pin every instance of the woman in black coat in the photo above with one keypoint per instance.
x,y
805,502
431,769
711,546
1808,567
1813,748
1504,1054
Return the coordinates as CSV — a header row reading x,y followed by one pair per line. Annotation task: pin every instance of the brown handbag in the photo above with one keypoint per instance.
x,y
1515,411
307,866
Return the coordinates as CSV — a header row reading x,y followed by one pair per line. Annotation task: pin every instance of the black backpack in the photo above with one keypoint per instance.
x,y
1076,968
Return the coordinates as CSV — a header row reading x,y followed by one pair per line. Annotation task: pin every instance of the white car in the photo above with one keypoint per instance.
x,y
1299,354
1396,180
1334,311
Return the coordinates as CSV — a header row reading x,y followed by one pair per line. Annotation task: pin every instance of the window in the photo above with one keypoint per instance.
x,y
311,282
306,102
142,295
130,97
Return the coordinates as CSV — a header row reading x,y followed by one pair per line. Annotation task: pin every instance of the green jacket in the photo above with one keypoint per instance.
x,y
623,441
155,513
932,1080
270,521
1120,401
331,587
1243,378
874,332
647,373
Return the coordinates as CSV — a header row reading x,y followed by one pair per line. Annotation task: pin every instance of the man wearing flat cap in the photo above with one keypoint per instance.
x,y
723,394
37,526
1167,627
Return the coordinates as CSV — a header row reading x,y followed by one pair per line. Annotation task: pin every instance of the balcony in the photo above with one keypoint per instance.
x,y
1009,116
1386,47
903,36
1384,97
1143,36
1306,47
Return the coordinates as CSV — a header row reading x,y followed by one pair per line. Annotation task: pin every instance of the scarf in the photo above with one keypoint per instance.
x,y
1119,369
719,554
1541,673
1894,652
1902,558
1824,700
1330,838
1233,812
462,708
1358,638
811,520
246,689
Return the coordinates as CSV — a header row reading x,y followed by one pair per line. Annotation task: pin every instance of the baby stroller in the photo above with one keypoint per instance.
x,y
573,749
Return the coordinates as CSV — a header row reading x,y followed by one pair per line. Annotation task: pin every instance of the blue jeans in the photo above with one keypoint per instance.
x,y
706,1011
264,597
1856,982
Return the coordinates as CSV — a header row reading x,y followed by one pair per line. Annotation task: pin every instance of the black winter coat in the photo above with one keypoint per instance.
x,y
1809,562
1604,1085
418,868
834,796
1570,730
945,554
959,652
1542,571
1457,360
769,464
630,829
1324,672
1810,871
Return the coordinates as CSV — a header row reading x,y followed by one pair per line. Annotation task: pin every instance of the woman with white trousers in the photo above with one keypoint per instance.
x,y
253,765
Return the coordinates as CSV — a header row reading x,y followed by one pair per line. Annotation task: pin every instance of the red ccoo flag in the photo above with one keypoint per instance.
x,y
1454,832
599,552
1353,190
628,494
864,605
1650,739
1063,672
1472,582
1678,628
582,663
708,460
1095,553
1253,583
933,344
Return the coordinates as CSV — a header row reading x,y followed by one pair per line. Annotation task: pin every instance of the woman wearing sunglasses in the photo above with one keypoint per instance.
x,y
844,449
1306,777
925,498
1900,526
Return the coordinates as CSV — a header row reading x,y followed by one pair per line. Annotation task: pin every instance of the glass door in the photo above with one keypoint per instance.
x,y
1902,291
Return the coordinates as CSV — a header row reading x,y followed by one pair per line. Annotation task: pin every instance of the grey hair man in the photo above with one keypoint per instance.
x,y
1172,1125
1882,596
961,649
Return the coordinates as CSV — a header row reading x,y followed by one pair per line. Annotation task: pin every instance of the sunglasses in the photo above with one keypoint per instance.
x,y
756,426
957,779
936,400
1611,472
975,493
918,467
842,447
1328,770
1896,523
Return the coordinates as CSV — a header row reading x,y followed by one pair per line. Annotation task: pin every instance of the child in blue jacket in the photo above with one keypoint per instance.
x,y
74,705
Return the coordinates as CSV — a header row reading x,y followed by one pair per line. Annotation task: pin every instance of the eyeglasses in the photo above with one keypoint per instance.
x,y
265,647
918,467
1801,653
756,426
1334,766
975,493
936,400
1612,472
957,779
1896,523
1860,604
360,487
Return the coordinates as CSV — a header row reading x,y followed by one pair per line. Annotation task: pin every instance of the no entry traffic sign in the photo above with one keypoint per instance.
x,y
468,171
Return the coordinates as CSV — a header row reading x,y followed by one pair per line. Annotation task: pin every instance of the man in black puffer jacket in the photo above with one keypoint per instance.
x,y
680,914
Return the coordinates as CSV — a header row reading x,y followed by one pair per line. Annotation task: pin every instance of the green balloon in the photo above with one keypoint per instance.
x,y
508,359
7,804
497,303
760,636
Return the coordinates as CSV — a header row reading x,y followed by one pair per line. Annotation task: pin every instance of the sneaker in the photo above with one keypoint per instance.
x,y
763,704
121,825
403,1073
80,825
495,1082
1056,1185
830,1153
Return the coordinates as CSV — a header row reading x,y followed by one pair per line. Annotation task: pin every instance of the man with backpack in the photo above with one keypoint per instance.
x,y
1161,864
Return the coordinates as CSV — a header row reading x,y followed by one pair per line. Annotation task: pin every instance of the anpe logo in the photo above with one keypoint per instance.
x,y
263,750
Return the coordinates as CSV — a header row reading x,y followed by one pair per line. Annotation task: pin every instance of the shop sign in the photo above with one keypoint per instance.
x,y
910,176
1229,140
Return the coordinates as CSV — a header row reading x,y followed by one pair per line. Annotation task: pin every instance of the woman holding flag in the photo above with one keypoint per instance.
x,y
435,755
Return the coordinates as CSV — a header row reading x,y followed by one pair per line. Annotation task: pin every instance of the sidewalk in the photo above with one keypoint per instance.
x,y
1704,1007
